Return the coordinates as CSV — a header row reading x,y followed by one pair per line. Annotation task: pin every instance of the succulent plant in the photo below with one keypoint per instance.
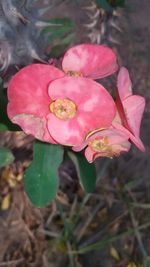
x,y
104,22
21,37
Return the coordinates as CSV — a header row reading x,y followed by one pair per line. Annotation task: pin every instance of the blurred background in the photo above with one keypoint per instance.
x,y
111,226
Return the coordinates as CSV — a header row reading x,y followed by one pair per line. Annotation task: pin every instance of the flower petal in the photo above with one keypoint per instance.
x,y
136,140
115,136
35,126
91,60
27,90
134,108
130,108
95,109
124,84
29,100
91,99
65,132
91,155
117,143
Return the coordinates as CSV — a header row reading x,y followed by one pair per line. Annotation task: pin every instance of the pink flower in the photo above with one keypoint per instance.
x,y
130,109
89,60
59,109
79,106
105,143
125,127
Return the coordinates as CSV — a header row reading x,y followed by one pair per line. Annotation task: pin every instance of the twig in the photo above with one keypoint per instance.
x,y
137,234
106,241
70,255
140,205
73,208
95,237
49,233
6,263
89,220
88,196
136,230
52,215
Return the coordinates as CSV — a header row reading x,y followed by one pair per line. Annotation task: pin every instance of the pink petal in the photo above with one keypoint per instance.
x,y
136,140
124,84
91,155
27,90
118,142
29,100
35,126
95,109
91,99
65,132
134,108
130,108
91,60
115,136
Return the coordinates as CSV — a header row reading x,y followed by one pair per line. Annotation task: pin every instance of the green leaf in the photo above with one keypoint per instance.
x,y
108,5
5,123
116,3
105,5
58,50
61,36
41,178
86,171
3,127
66,25
6,157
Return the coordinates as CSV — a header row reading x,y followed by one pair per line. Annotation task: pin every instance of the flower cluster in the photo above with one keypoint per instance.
x,y
68,107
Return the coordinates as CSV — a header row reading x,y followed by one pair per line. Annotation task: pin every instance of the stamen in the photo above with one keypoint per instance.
x,y
63,108
100,145
74,73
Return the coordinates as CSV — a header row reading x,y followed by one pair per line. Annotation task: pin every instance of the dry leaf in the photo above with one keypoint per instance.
x,y
5,202
114,253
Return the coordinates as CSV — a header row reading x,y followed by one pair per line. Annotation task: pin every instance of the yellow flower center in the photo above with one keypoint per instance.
x,y
100,145
74,73
63,108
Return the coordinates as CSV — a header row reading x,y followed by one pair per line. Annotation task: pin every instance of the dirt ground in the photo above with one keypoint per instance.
x,y
31,237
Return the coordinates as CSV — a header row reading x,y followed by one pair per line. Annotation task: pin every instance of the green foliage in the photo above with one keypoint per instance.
x,y
41,178
65,25
108,5
111,239
5,123
60,37
6,157
86,171
105,5
115,3
58,50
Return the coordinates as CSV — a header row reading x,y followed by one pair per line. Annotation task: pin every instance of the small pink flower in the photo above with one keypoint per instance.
x,y
64,110
105,143
130,109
